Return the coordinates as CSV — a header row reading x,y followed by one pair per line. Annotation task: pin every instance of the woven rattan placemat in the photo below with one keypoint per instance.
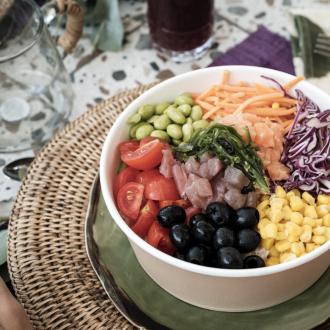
x,y
49,268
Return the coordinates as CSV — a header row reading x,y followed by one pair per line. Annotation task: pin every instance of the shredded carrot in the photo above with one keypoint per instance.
x,y
293,82
207,93
270,112
204,105
258,98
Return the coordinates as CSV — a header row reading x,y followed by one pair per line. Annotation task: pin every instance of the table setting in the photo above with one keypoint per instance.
x,y
74,78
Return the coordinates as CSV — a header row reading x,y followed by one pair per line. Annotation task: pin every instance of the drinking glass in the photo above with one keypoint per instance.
x,y
35,90
181,29
36,95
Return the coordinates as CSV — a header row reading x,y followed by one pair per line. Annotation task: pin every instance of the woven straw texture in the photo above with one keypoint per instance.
x,y
49,268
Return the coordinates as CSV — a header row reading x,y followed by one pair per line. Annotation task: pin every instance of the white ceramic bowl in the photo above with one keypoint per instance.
x,y
212,288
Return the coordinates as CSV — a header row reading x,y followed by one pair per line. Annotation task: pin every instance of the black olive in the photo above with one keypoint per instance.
x,y
247,240
223,237
180,236
196,218
203,232
247,217
253,261
171,215
220,214
229,257
197,255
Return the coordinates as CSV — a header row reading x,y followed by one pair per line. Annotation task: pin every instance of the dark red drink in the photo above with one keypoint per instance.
x,y
180,25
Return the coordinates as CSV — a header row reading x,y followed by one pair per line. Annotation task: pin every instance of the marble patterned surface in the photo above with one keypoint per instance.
x,y
97,76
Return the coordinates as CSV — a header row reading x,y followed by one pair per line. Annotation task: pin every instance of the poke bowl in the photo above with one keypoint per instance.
x,y
224,196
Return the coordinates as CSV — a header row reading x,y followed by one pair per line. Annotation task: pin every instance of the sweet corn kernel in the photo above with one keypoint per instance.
x,y
308,198
310,212
287,257
297,218
282,246
309,221
326,220
263,222
286,212
275,105
280,227
290,194
267,243
322,210
296,203
318,222
323,199
318,239
273,252
310,247
306,236
327,233
277,203
293,238
263,205
281,235
298,248
280,192
319,230
276,215
269,231
272,261
293,229
296,192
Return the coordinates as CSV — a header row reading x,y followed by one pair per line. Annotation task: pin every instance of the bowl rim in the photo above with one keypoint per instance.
x,y
141,243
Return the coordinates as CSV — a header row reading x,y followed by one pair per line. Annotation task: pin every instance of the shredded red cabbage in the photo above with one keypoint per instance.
x,y
307,148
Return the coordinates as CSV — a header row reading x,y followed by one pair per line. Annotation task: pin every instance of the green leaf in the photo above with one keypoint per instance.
x,y
3,246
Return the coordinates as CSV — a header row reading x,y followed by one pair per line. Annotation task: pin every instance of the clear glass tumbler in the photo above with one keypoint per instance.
x,y
36,95
181,29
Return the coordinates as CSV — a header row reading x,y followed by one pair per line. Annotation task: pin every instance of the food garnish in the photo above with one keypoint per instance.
x,y
229,147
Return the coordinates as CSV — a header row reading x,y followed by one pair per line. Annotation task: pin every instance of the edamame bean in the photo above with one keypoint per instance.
x,y
176,142
175,115
199,124
189,120
134,119
160,108
187,131
146,111
184,99
185,109
162,122
174,131
160,135
152,119
196,113
133,129
143,131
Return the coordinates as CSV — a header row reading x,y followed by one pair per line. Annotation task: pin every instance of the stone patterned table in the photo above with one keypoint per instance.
x,y
97,76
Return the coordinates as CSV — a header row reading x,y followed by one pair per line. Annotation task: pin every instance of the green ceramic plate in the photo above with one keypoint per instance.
x,y
155,308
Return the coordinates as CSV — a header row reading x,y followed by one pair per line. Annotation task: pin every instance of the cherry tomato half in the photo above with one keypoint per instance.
x,y
128,174
161,189
127,146
146,218
145,176
129,199
146,157
158,238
